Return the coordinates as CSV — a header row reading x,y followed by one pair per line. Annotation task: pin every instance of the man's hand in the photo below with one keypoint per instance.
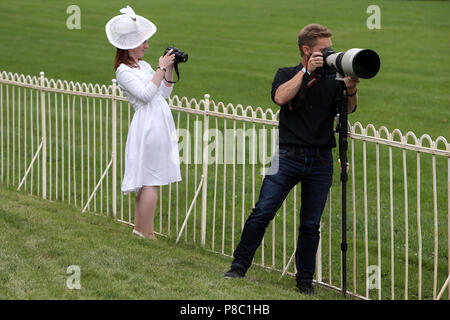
x,y
314,61
351,83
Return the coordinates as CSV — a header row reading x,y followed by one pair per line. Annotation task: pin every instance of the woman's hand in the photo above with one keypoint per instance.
x,y
167,61
165,69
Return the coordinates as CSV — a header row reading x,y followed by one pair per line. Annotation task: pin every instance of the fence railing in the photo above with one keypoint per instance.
x,y
65,141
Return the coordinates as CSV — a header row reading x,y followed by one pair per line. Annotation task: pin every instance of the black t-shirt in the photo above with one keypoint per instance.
x,y
307,120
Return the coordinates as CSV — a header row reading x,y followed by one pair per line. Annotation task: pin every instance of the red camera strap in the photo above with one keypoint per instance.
x,y
314,78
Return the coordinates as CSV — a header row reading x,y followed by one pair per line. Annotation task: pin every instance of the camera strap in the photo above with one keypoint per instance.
x,y
312,80
176,71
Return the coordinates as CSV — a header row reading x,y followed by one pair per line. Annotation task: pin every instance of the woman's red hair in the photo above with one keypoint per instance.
x,y
122,56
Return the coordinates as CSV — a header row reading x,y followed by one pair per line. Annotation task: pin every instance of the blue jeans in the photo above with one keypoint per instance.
x,y
313,167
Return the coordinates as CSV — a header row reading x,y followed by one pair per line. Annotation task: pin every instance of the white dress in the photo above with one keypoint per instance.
x,y
151,151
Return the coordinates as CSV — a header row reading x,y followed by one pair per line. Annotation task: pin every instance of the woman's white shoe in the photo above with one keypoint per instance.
x,y
138,233
142,236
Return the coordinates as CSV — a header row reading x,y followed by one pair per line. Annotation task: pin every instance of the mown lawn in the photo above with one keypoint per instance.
x,y
40,239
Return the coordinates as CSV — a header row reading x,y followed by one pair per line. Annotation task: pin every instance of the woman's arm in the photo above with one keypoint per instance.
x,y
166,63
169,76
167,87
128,80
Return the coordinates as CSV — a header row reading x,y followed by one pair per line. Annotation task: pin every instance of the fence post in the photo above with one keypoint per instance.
x,y
44,138
114,148
205,169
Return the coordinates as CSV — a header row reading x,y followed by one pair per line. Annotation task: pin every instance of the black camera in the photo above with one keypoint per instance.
x,y
180,56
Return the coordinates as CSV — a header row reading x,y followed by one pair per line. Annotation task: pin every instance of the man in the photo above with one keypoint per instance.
x,y
306,94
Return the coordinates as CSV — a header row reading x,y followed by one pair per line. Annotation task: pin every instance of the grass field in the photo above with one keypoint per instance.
x,y
235,48
41,239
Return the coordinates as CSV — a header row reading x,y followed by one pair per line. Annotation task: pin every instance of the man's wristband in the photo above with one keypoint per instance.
x,y
163,69
353,94
305,71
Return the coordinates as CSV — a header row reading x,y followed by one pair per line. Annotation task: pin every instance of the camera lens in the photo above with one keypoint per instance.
x,y
181,56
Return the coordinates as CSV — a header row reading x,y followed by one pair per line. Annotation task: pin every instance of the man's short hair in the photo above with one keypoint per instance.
x,y
310,33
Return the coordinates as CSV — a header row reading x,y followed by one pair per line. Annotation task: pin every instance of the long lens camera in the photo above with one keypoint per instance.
x,y
361,63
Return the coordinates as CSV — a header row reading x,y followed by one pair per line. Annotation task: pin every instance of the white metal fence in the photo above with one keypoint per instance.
x,y
65,141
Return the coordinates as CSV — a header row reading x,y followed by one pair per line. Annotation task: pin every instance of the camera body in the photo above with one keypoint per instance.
x,y
180,56
361,63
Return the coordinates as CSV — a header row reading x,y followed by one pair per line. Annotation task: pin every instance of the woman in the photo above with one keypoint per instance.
x,y
151,152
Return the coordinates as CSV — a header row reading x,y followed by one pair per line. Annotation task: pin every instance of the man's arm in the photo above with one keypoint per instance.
x,y
352,96
287,91
352,101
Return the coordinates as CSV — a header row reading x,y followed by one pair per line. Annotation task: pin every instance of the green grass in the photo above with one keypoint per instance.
x,y
40,239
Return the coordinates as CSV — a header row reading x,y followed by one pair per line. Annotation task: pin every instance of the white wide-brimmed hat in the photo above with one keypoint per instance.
x,y
128,30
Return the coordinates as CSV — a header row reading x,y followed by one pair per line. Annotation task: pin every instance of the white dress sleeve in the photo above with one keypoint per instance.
x,y
165,91
131,83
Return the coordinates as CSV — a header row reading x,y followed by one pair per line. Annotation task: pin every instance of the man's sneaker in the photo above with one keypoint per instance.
x,y
234,273
305,288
